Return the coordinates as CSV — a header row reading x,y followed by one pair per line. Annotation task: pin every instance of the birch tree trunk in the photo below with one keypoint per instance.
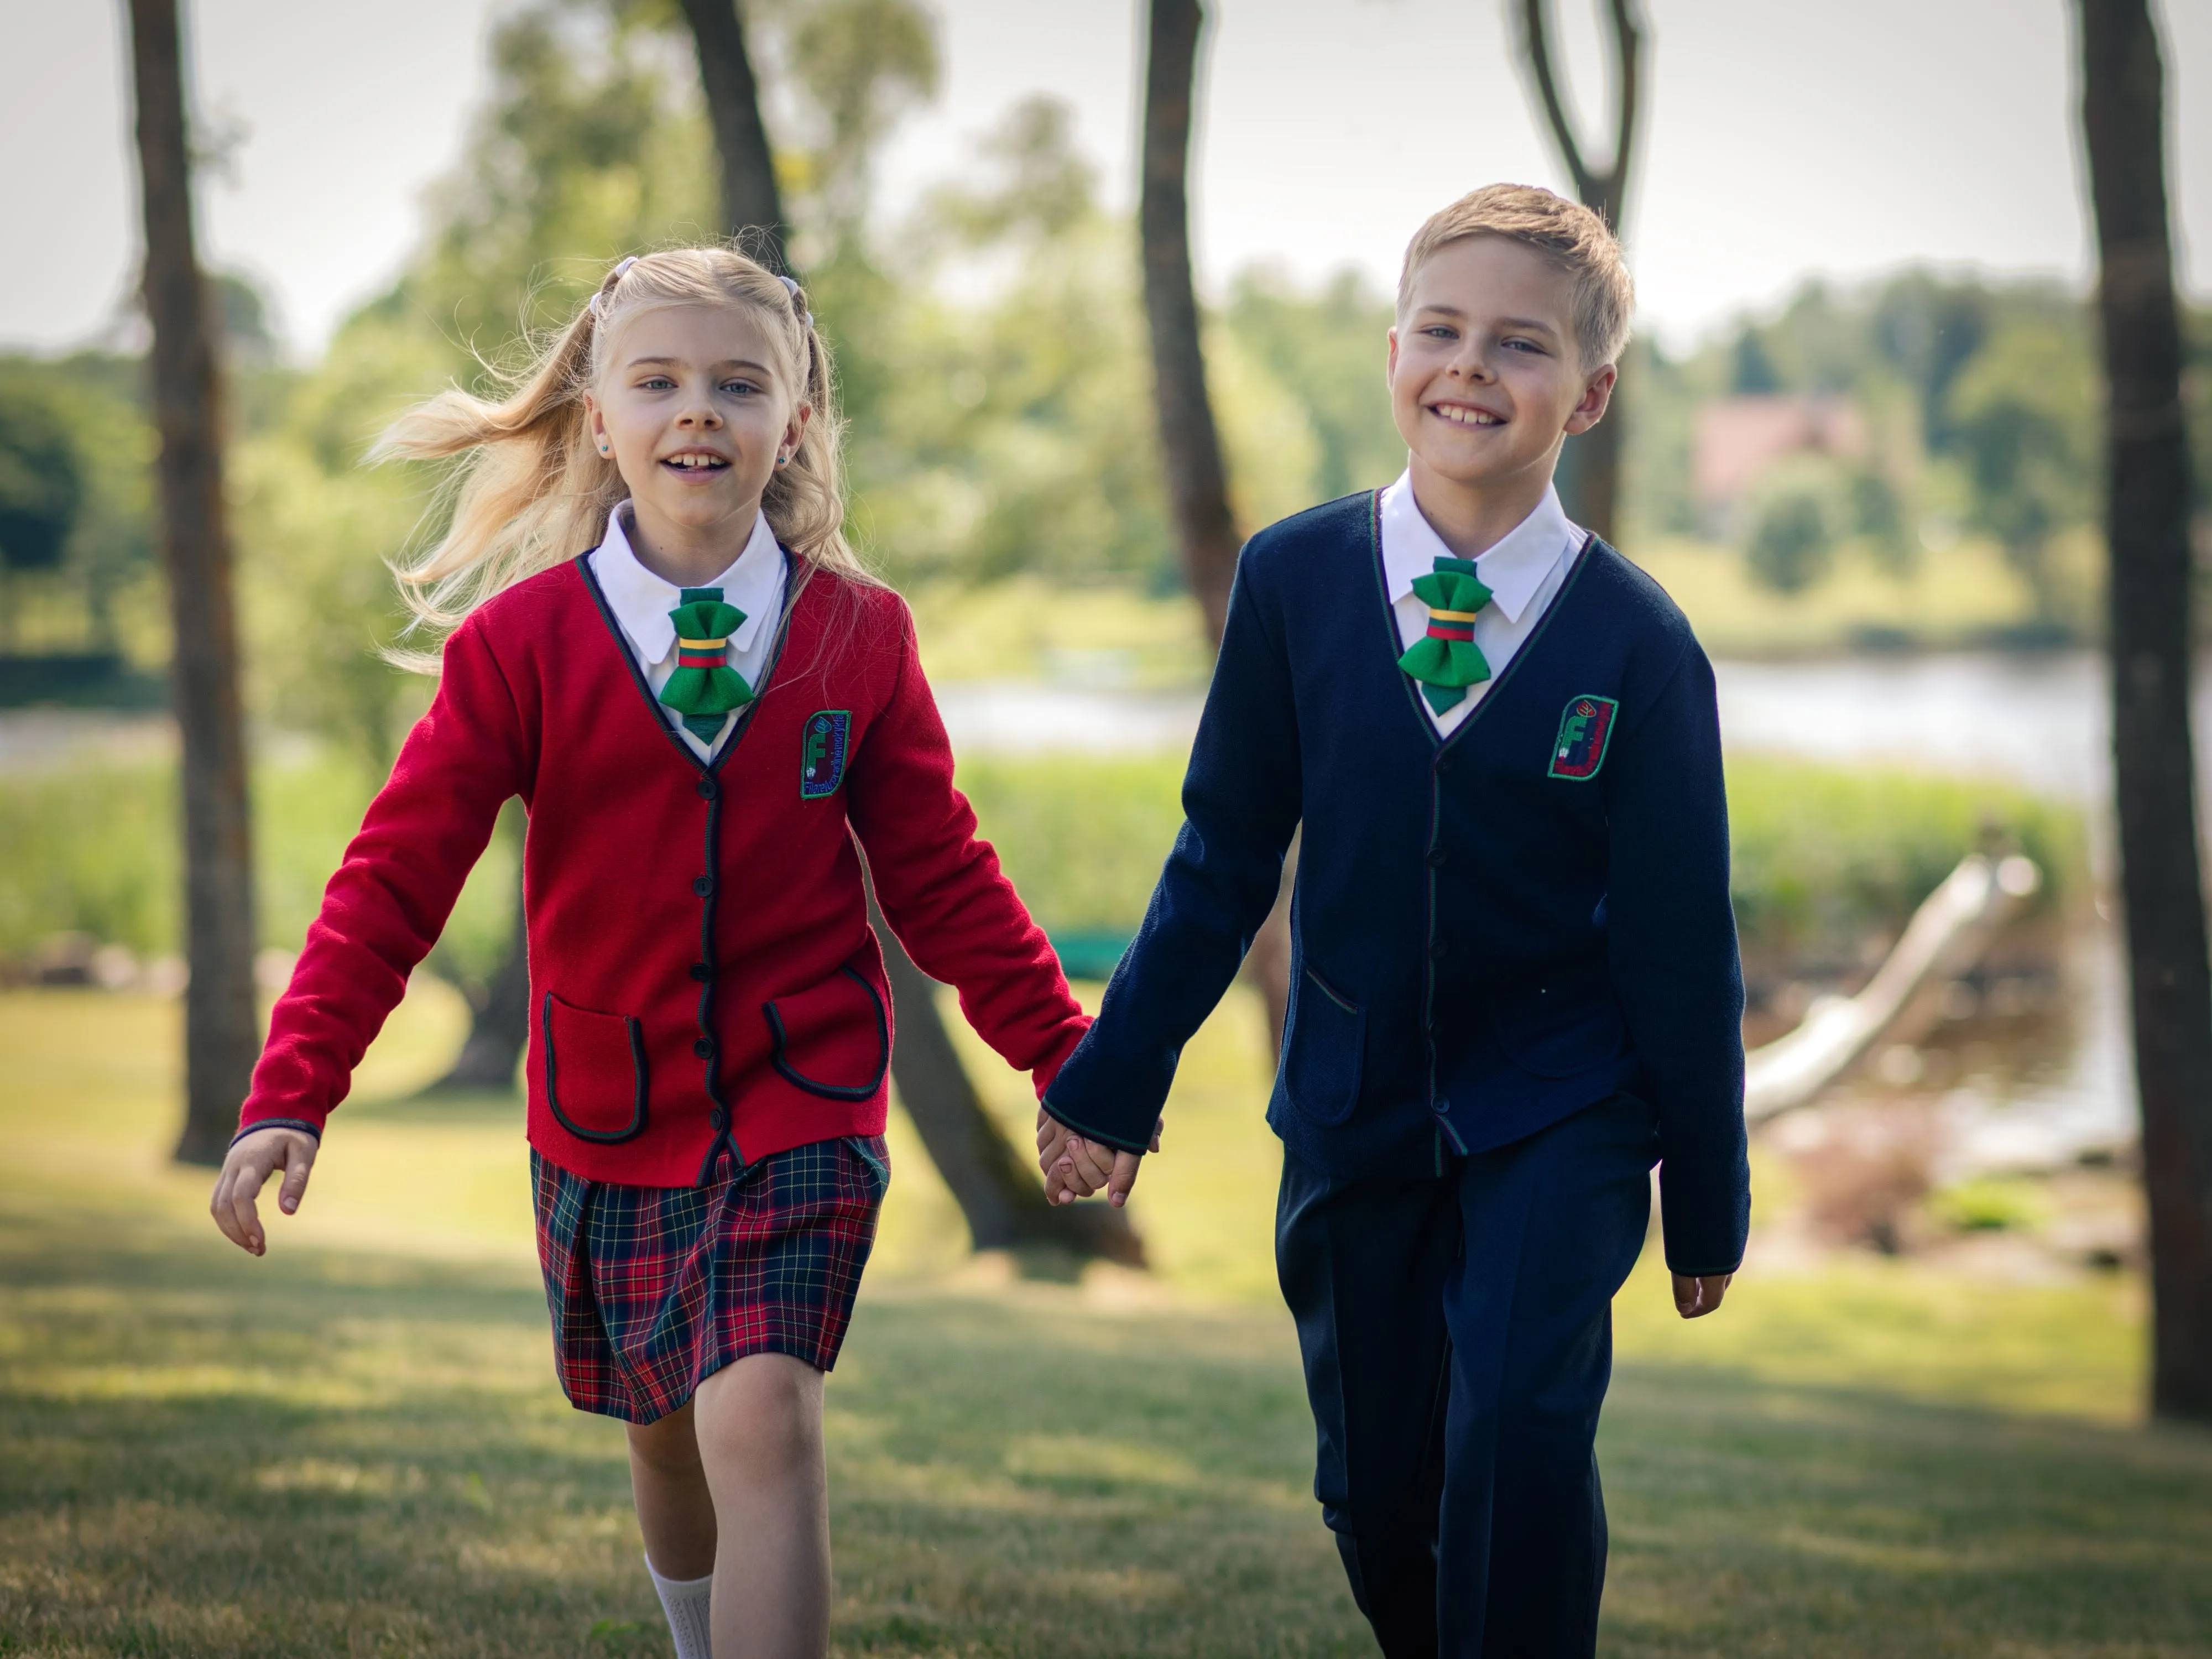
x,y
2146,528
222,1031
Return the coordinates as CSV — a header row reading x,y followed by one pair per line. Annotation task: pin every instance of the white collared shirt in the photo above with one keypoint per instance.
x,y
1524,572
641,602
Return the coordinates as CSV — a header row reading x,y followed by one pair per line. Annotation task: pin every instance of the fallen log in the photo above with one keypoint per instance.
x,y
1947,936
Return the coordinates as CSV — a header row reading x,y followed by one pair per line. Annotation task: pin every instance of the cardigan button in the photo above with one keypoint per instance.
x,y
703,885
718,1118
707,789
1443,764
1436,857
703,971
1438,949
704,1048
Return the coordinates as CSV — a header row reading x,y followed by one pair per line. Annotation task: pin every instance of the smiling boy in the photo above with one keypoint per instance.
x,y
1514,984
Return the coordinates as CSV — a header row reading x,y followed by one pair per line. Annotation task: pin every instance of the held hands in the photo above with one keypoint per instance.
x,y
1075,1167
250,1163
1695,1297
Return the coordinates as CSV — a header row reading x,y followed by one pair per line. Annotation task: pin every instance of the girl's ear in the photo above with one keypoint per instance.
x,y
595,423
1595,396
794,429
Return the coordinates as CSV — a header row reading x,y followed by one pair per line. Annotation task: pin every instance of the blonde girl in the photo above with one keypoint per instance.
x,y
656,636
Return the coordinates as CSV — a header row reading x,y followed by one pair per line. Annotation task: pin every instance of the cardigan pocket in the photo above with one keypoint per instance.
x,y
595,1077
833,1039
1560,1028
1325,1050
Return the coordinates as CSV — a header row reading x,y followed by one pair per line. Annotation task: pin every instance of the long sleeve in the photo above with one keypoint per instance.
x,y
1671,947
1241,804
942,889
385,906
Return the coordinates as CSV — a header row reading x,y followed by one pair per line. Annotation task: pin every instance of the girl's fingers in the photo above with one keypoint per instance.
x,y
299,1158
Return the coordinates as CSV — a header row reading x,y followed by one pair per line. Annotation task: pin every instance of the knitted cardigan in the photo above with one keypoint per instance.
x,y
1490,930
703,975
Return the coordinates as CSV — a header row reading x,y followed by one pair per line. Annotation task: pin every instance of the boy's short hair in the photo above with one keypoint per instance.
x,y
1568,234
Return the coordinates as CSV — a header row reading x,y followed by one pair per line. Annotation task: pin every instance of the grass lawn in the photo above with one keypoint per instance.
x,y
356,1447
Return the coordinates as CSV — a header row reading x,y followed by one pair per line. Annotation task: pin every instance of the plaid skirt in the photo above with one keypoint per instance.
x,y
655,1289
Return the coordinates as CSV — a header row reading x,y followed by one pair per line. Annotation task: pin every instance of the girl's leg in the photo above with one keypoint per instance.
x,y
757,1423
675,1510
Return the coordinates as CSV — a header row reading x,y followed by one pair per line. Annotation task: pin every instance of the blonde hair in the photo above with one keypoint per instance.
x,y
1571,235
531,489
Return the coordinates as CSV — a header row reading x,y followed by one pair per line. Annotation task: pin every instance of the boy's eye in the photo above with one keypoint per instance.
x,y
1526,345
1440,331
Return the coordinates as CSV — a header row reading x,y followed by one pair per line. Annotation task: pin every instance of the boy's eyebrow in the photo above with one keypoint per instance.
x,y
1534,324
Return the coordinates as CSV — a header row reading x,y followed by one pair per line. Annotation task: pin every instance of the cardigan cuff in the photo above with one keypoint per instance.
x,y
314,1129
1103,1137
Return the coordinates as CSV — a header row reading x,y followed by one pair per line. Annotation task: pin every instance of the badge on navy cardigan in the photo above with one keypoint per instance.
x,y
822,753
1584,729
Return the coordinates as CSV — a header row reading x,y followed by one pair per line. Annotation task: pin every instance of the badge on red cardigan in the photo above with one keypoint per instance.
x,y
822,753
1584,730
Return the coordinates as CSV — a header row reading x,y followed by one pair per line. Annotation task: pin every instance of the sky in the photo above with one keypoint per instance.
x,y
1782,139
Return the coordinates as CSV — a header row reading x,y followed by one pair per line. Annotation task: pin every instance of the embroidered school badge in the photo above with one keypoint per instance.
x,y
822,753
1584,730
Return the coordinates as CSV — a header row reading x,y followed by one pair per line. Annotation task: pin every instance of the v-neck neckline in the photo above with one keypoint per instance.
x,y
712,764
1440,741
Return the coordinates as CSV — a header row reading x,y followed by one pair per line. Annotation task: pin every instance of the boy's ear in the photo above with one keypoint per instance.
x,y
1390,364
1597,394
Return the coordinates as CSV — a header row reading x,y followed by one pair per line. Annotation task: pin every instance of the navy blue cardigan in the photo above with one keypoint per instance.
x,y
1489,930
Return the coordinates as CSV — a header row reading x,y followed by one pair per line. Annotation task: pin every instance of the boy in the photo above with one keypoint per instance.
x,y
1514,975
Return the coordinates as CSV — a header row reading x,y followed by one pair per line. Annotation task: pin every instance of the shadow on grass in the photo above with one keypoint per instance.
x,y
204,1455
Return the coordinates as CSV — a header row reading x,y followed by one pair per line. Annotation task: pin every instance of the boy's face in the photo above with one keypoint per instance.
x,y
1485,374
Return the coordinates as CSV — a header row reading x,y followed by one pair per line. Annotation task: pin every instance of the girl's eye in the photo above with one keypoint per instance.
x,y
656,383
738,388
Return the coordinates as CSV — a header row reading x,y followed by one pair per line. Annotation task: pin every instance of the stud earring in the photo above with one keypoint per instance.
x,y
783,461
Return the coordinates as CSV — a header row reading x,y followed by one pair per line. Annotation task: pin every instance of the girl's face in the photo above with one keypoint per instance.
x,y
695,413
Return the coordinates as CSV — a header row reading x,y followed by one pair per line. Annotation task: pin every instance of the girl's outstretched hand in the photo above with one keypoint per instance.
x,y
250,1163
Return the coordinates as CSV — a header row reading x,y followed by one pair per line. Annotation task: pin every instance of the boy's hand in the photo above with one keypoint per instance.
x,y
248,1166
1076,1167
1697,1296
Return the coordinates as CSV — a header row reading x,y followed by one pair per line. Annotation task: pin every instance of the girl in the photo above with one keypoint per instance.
x,y
658,637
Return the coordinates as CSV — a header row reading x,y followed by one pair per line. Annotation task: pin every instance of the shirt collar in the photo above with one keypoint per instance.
x,y
642,601
1512,570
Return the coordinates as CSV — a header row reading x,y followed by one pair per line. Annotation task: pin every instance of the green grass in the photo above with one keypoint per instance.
x,y
356,1445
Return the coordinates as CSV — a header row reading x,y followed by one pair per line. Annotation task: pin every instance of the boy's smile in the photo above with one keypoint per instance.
x,y
1485,381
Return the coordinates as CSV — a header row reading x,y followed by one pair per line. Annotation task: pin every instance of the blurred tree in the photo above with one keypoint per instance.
x,y
1754,372
2148,505
1190,444
41,488
2018,418
1791,544
1326,350
1590,467
752,207
222,1029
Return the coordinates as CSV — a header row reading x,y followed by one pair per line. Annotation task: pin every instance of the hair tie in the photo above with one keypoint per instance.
x,y
805,318
598,310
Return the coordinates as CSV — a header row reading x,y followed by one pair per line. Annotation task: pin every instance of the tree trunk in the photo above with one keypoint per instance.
x,y
1206,539
1590,467
1190,448
499,1024
2147,527
995,1186
223,1030
751,203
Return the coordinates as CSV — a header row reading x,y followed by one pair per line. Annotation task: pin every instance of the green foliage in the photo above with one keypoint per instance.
x,y
41,491
1990,1204
1328,351
1792,540
1824,856
1082,840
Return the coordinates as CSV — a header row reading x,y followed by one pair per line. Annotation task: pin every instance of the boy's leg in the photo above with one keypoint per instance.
x,y
1363,1265
1553,1225
758,1423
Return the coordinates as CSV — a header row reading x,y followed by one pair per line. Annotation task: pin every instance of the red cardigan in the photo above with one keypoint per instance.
x,y
702,970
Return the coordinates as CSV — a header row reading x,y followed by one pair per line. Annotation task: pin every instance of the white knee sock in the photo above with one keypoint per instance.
x,y
685,1602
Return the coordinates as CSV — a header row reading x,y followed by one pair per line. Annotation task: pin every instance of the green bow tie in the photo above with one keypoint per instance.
x,y
704,688
1447,660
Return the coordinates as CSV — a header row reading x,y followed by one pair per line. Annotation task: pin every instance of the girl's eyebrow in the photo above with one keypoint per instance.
x,y
677,363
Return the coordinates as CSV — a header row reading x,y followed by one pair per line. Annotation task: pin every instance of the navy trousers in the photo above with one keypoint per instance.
x,y
1457,1336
